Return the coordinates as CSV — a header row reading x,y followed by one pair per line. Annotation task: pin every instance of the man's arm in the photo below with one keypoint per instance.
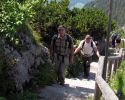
x,y
77,50
71,48
71,55
97,53
96,50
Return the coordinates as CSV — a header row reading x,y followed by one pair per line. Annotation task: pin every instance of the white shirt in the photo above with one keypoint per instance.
x,y
87,48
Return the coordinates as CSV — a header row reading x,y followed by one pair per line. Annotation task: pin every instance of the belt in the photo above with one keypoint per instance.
x,y
60,54
63,56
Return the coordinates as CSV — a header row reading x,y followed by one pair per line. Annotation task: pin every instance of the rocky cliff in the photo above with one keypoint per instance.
x,y
22,64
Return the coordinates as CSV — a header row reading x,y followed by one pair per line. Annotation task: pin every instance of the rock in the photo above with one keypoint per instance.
x,y
22,63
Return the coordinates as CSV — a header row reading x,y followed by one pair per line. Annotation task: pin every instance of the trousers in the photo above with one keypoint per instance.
x,y
61,62
86,65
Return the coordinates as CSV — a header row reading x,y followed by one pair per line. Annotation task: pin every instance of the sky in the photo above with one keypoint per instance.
x,y
78,3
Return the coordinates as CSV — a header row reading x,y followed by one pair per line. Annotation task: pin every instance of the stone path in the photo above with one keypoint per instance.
x,y
74,89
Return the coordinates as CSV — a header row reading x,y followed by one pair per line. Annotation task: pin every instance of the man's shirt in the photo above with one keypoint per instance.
x,y
62,45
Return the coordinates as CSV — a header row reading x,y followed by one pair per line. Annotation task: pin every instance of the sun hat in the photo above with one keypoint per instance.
x,y
88,37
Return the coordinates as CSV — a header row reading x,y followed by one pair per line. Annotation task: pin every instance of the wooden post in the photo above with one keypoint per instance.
x,y
109,70
107,39
97,92
99,73
113,66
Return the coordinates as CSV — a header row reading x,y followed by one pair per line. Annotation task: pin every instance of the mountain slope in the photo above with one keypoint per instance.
x,y
118,9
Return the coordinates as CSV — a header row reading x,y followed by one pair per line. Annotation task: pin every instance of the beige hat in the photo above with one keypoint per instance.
x,y
88,37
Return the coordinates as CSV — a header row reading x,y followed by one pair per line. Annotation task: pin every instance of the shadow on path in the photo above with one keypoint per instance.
x,y
57,92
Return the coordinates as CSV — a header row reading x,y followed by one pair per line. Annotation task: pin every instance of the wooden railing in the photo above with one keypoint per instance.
x,y
101,85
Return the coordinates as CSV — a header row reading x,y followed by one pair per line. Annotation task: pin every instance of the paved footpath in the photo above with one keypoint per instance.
x,y
74,89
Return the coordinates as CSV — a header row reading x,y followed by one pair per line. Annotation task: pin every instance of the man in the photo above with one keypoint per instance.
x,y
61,52
114,36
118,42
88,47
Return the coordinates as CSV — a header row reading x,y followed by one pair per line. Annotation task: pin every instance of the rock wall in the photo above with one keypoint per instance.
x,y
23,63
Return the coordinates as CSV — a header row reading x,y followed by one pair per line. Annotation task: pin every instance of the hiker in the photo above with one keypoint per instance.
x,y
61,52
88,47
113,37
118,42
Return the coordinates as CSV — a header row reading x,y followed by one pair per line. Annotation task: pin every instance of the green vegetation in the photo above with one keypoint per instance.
x,y
15,18
43,17
75,69
39,20
45,76
118,81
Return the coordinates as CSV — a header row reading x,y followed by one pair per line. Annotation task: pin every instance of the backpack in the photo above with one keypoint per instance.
x,y
114,36
118,39
68,39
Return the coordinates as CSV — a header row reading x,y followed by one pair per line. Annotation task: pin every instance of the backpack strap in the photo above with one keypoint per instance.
x,y
83,44
54,41
68,39
91,45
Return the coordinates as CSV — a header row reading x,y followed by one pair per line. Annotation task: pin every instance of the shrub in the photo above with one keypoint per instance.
x,y
26,95
75,69
45,76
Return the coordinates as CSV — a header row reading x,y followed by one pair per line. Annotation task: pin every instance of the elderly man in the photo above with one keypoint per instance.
x,y
88,47
62,52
